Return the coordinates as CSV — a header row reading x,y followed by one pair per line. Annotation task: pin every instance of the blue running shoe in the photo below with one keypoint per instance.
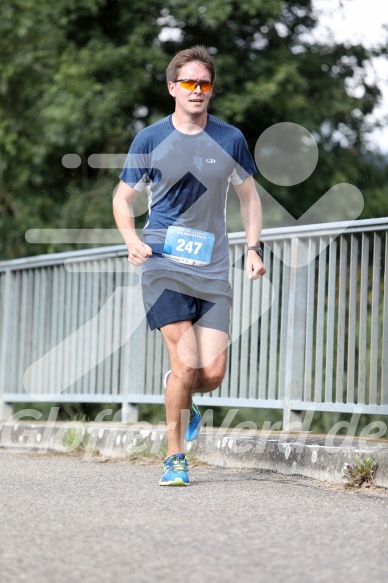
x,y
194,425
175,471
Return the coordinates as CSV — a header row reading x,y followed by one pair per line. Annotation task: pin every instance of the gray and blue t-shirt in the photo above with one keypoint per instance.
x,y
186,178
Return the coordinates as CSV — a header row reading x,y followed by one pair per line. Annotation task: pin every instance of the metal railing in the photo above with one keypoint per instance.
x,y
311,335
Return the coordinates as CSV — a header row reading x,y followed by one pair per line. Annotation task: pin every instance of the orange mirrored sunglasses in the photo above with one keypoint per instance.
x,y
191,84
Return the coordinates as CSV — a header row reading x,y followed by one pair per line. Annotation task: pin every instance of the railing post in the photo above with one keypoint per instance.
x,y
7,309
296,334
133,360
130,413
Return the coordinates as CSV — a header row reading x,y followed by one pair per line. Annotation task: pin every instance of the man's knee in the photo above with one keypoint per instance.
x,y
211,378
184,374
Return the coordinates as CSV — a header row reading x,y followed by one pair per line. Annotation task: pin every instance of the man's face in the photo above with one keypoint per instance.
x,y
191,102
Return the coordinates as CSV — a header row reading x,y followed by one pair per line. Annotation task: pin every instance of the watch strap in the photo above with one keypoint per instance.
x,y
256,248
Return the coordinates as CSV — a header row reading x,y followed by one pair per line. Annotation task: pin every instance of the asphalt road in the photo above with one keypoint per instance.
x,y
63,519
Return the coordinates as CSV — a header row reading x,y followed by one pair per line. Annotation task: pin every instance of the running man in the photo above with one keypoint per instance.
x,y
185,163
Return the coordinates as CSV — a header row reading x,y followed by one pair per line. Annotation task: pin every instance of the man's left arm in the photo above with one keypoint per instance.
x,y
252,220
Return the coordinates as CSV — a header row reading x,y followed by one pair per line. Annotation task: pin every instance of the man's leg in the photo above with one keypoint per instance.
x,y
180,381
212,348
198,363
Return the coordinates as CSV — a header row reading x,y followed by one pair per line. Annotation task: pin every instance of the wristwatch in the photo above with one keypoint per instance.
x,y
258,250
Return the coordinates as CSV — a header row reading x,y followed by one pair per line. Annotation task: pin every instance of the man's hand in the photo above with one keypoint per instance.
x,y
254,265
138,253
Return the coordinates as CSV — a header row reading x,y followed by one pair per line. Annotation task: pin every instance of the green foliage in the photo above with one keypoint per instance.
x,y
76,438
84,76
361,473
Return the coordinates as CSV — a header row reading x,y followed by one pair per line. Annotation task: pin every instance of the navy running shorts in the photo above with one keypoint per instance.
x,y
172,297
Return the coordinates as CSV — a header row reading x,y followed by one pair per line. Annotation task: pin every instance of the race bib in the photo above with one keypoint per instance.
x,y
188,246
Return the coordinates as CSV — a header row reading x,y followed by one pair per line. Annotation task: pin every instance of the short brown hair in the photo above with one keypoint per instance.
x,y
197,53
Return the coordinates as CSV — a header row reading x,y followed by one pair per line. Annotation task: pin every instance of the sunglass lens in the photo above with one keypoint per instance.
x,y
191,85
188,84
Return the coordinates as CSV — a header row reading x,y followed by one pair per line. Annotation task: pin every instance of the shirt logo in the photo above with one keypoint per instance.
x,y
210,161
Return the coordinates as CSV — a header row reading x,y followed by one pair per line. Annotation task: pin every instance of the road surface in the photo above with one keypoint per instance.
x,y
65,519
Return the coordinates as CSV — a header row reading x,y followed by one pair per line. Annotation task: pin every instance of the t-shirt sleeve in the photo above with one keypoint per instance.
x,y
136,168
245,165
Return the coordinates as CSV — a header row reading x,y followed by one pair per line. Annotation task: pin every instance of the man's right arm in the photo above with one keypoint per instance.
x,y
123,201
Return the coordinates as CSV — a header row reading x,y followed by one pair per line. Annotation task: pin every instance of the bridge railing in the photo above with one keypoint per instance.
x,y
311,335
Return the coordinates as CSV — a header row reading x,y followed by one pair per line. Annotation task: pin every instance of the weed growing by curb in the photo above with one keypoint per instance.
x,y
361,473
76,439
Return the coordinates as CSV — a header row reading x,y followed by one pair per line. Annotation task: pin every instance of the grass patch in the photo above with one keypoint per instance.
x,y
77,439
361,473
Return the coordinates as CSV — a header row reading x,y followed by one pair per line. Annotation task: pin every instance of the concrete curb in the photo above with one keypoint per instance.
x,y
315,456
296,454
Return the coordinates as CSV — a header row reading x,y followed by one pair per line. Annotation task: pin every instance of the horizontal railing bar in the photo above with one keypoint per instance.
x,y
318,230
60,258
81,398
137,398
339,407
202,401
